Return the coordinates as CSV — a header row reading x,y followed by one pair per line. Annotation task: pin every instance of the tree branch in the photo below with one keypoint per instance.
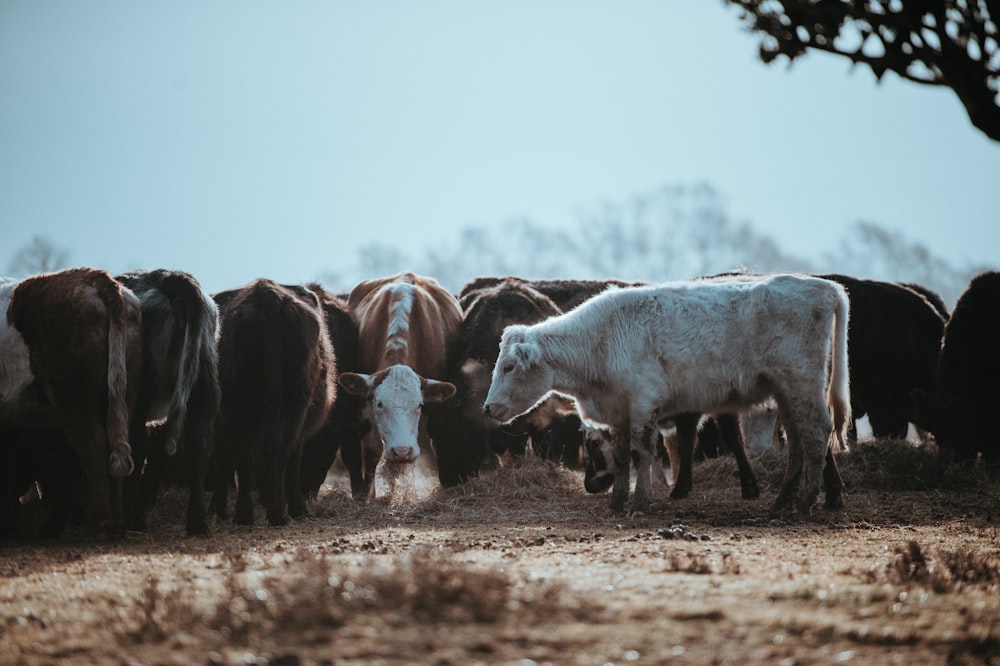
x,y
950,43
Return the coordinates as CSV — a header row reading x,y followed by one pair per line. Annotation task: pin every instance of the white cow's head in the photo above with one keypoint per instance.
x,y
396,397
520,378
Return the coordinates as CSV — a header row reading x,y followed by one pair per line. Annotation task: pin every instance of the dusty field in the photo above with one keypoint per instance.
x,y
523,567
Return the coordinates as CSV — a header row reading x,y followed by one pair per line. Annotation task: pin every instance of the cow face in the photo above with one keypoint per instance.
x,y
598,460
396,397
476,375
520,378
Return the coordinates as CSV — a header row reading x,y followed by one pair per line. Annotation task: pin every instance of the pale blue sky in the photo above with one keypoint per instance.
x,y
238,140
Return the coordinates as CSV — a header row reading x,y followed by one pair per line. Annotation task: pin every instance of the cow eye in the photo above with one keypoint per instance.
x,y
379,404
507,367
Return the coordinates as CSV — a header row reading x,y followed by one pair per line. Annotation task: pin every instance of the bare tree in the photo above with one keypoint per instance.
x,y
41,255
872,251
949,43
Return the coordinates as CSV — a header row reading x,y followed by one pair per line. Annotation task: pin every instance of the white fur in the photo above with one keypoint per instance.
x,y
639,355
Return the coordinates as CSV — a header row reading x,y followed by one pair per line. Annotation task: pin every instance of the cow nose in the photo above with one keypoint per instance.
x,y
400,454
495,411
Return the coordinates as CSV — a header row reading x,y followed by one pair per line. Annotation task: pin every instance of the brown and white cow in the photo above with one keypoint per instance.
x,y
277,373
407,324
82,332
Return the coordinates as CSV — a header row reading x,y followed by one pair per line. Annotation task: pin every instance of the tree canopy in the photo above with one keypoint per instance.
x,y
949,43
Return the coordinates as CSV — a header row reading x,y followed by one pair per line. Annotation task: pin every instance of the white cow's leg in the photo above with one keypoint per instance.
x,y
793,471
815,437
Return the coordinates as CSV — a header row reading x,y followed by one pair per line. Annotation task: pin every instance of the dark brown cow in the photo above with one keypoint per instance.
x,y
407,324
566,294
82,330
967,408
179,388
343,428
277,372
467,434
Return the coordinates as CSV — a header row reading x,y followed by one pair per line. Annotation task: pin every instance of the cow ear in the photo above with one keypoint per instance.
x,y
355,383
434,391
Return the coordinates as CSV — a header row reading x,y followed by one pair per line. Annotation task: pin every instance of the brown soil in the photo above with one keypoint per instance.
x,y
521,566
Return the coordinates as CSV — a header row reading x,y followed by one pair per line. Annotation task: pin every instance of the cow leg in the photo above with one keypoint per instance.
x,y
372,453
135,485
888,425
244,490
350,455
293,493
729,428
198,439
644,457
793,468
815,443
687,431
620,447
832,483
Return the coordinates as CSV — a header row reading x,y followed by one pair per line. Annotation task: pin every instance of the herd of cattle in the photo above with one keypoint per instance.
x,y
111,385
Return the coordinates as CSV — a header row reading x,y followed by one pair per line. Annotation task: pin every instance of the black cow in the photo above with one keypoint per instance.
x,y
179,390
967,414
894,335
278,376
344,427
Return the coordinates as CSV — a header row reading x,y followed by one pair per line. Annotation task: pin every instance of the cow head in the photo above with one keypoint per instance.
x,y
598,459
396,397
521,378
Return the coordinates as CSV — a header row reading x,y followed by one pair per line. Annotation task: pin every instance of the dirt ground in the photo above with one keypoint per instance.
x,y
521,566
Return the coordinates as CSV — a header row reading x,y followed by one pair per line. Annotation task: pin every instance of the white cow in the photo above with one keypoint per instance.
x,y
636,356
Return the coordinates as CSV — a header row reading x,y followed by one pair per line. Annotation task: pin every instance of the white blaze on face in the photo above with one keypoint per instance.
x,y
396,410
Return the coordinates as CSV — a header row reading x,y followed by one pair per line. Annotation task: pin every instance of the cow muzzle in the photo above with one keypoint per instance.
x,y
401,454
497,411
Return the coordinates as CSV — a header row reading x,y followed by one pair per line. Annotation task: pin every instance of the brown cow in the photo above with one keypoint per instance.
x,y
277,373
83,334
407,323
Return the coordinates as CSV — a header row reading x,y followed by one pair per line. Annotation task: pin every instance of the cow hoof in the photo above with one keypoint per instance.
x,y
197,529
637,513
751,491
834,502
679,493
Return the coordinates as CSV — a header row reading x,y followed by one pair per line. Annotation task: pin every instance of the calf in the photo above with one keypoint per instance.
x,y
967,405
634,357
278,377
82,332
179,388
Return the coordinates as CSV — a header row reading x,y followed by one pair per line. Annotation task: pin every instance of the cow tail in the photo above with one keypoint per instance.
x,y
118,407
839,392
187,374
